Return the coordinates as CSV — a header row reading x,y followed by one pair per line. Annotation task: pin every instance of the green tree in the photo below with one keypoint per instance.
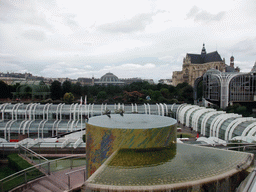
x,y
239,109
66,87
132,97
155,96
165,93
68,97
77,89
5,90
85,90
187,94
56,91
102,95
172,91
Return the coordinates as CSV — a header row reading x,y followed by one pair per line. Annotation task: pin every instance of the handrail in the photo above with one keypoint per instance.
x,y
36,154
40,165
68,174
75,171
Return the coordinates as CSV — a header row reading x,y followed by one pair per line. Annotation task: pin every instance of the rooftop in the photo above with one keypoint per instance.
x,y
185,165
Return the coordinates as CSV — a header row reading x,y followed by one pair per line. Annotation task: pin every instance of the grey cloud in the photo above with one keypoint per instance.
x,y
22,11
245,47
136,23
69,19
37,19
204,16
10,60
34,35
193,11
6,8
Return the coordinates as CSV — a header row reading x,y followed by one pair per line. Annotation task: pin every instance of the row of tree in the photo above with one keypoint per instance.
x,y
137,92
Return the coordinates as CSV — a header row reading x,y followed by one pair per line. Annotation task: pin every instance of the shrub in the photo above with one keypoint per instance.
x,y
17,163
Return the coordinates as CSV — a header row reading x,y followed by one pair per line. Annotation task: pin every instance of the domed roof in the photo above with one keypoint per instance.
x,y
109,77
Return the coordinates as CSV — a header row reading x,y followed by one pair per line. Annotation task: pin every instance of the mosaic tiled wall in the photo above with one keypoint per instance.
x,y
101,142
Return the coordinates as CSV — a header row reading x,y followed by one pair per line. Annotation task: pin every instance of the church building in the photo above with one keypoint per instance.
x,y
195,65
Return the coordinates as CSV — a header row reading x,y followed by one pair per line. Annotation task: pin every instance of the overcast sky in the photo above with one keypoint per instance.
x,y
142,38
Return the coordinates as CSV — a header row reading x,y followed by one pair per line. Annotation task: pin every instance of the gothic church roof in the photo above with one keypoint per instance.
x,y
204,57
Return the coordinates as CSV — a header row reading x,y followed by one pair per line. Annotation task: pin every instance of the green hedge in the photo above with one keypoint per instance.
x,y
17,163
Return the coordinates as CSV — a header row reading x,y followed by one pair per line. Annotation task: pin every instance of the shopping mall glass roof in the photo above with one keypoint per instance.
x,y
183,164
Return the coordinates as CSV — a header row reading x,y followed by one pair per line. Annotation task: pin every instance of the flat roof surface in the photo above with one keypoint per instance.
x,y
132,121
181,164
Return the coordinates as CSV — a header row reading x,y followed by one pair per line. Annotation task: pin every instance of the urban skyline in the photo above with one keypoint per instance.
x,y
146,39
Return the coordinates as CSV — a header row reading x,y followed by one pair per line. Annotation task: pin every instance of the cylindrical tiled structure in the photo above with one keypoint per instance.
x,y
104,135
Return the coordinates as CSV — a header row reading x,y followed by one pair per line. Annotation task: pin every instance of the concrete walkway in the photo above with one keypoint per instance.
x,y
58,181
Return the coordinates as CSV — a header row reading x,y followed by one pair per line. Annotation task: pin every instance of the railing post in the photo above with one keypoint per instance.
x,y
49,170
3,151
39,163
25,178
84,175
68,182
71,163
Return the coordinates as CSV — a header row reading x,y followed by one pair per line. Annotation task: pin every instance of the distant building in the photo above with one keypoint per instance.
x,y
131,80
195,65
86,81
150,81
109,79
62,80
165,81
12,78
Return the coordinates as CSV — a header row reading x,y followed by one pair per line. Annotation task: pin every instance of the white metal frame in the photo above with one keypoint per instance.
x,y
217,122
235,124
197,117
248,128
190,111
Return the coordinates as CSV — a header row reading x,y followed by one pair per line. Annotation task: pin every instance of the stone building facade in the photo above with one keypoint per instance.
x,y
195,65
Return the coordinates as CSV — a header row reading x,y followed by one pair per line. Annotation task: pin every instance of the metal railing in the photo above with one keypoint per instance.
x,y
31,155
46,168
70,173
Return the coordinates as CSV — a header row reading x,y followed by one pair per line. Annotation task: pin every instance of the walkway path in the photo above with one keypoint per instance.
x,y
58,181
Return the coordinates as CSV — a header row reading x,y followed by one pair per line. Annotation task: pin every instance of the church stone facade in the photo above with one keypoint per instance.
x,y
195,65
